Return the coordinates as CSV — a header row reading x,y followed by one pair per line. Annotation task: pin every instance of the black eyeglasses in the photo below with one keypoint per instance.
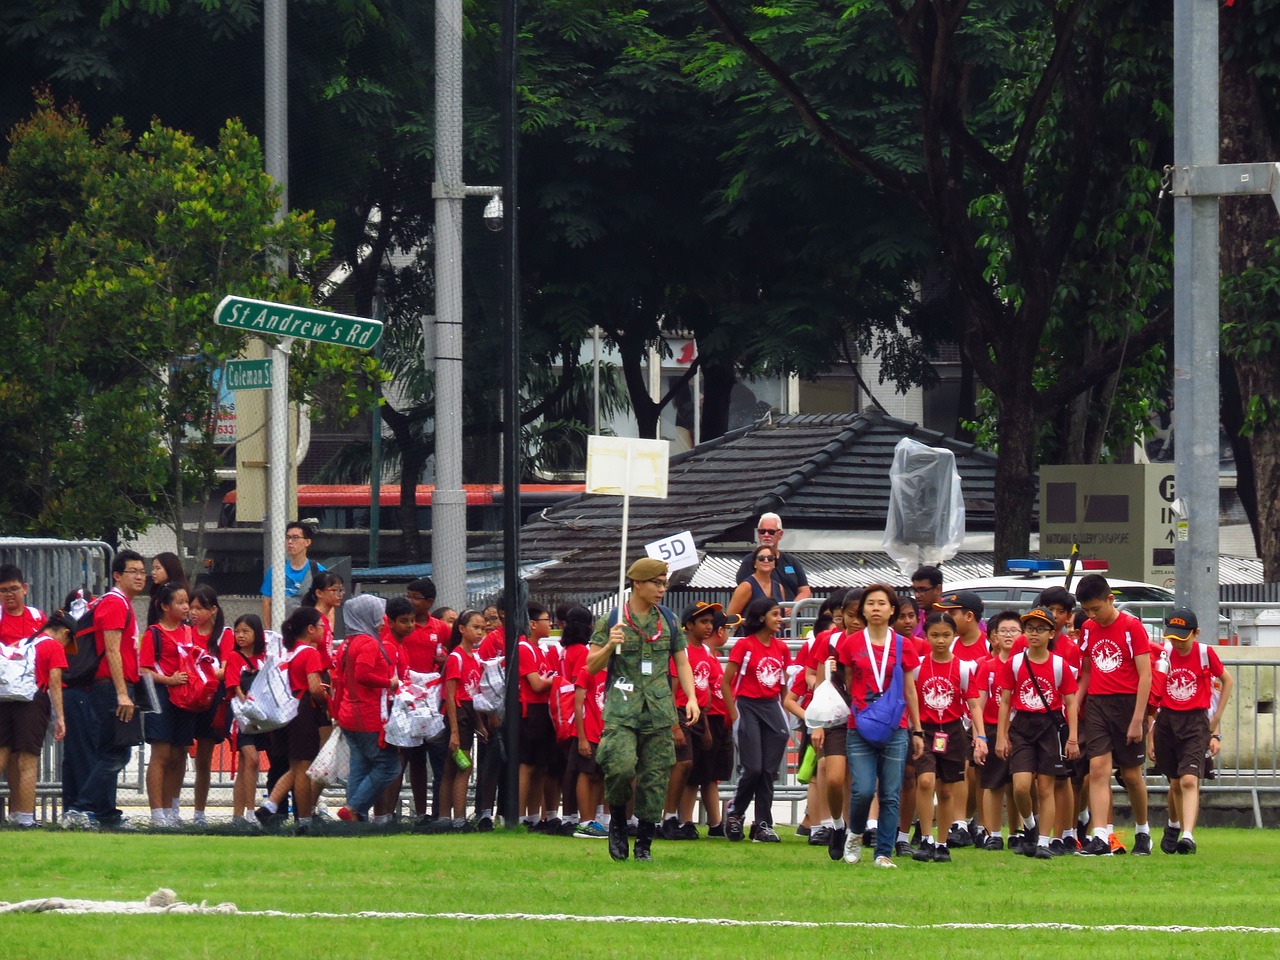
x,y
764,530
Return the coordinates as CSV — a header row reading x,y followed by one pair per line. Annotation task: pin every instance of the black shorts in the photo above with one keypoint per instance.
x,y
578,764
212,724
1181,742
949,765
466,714
1033,745
24,723
537,736
1106,726
696,740
714,765
171,725
300,738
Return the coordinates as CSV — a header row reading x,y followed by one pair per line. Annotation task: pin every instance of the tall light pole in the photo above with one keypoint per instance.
x,y
276,147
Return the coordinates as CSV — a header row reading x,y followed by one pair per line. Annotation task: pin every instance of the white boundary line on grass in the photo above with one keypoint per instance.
x,y
165,902
725,922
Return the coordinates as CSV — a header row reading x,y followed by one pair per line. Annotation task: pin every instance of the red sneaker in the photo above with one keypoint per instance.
x,y
345,814
1117,845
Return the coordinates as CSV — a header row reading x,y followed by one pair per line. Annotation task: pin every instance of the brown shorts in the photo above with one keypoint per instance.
x,y
467,720
834,740
1181,742
1106,726
948,766
714,765
696,740
994,774
578,764
24,723
1033,745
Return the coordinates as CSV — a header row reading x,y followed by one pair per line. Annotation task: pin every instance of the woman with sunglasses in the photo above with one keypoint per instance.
x,y
763,584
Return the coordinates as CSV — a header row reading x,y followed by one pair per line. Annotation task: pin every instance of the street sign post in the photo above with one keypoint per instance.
x,y
285,320
248,374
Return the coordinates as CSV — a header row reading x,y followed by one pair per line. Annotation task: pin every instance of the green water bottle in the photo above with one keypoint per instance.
x,y
461,760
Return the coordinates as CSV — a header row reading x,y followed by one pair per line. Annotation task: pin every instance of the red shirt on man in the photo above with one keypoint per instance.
x,y
115,612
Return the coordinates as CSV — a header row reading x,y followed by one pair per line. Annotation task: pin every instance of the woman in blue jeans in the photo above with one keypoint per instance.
x,y
871,657
368,674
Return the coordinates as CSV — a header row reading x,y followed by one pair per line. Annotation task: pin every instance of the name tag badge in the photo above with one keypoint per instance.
x,y
940,742
646,668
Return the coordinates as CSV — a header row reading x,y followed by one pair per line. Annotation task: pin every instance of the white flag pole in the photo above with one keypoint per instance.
x,y
622,551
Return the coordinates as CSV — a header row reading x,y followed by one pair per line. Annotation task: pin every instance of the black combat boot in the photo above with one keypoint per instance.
x,y
618,833
644,837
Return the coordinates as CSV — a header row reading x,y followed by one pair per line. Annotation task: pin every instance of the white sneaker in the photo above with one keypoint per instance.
x,y
853,847
885,863
77,820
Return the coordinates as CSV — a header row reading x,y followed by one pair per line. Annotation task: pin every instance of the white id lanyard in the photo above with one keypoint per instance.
x,y
879,675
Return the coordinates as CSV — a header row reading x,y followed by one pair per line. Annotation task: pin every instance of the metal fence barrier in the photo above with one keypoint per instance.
x,y
56,567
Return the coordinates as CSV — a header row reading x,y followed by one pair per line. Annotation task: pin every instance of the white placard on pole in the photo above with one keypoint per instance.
x,y
678,551
626,467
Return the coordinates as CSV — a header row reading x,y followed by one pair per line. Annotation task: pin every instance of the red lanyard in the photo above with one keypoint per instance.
x,y
626,612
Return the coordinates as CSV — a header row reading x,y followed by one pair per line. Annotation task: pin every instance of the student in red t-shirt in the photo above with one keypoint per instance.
x,y
461,678
716,764
370,676
248,654
24,723
210,632
966,608
871,658
588,719
691,742
1037,689
111,695
907,625
1004,629
171,730
299,741
1115,676
17,620
576,625
1186,728
833,765
537,738
946,690
398,626
753,683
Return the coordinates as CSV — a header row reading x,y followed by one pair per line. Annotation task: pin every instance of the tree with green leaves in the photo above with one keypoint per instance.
x,y
114,252
1019,131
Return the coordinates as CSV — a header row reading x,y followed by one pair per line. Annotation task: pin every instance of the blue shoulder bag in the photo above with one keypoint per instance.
x,y
880,719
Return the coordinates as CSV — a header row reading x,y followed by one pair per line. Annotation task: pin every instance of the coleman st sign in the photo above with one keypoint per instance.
x,y
283,320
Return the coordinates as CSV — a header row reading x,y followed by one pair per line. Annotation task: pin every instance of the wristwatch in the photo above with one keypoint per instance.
x,y
1216,736
918,733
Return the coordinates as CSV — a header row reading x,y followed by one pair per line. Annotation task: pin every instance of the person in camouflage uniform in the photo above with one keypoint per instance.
x,y
635,645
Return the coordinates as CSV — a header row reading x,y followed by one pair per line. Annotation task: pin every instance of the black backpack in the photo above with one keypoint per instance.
x,y
83,658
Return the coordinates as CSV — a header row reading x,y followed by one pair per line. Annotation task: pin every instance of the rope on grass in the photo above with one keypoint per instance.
x,y
162,901
166,901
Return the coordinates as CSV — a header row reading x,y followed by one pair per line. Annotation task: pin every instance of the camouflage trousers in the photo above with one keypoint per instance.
x,y
645,756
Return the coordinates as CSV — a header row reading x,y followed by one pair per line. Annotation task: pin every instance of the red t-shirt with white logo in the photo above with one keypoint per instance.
x,y
171,642
855,651
422,643
593,704
20,626
943,688
1111,651
1187,685
988,681
974,652
700,661
532,660
115,612
762,668
304,661
1024,698
465,668
494,645
49,655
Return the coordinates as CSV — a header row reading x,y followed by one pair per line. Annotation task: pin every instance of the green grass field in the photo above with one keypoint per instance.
x,y
1231,882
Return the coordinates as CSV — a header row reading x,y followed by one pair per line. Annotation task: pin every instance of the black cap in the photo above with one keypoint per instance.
x,y
961,600
725,620
693,611
1180,624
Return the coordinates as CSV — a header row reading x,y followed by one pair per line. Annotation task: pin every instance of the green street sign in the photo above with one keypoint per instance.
x,y
248,374
305,323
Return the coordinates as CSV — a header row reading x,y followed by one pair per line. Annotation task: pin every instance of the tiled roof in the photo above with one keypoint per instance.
x,y
820,472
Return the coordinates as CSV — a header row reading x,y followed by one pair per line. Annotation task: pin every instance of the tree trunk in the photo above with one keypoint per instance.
x,y
717,392
1247,224
1015,474
413,459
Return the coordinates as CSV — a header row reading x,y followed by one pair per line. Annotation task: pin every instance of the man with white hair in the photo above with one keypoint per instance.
x,y
769,534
